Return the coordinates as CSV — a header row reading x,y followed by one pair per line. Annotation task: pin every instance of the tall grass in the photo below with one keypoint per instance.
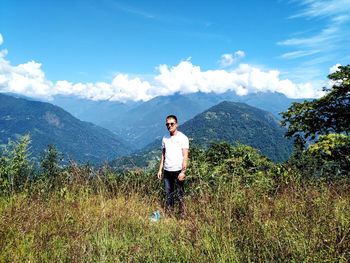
x,y
108,221
240,208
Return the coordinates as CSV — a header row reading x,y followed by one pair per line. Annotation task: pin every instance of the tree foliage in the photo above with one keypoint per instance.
x,y
331,154
50,165
15,165
217,152
324,125
329,114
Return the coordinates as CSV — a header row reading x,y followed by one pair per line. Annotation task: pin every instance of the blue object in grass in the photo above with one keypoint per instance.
x,y
155,216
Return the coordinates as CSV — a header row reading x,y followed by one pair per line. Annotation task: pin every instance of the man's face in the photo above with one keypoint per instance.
x,y
171,125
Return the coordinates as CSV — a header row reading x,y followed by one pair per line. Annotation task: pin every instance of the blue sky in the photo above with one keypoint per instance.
x,y
136,50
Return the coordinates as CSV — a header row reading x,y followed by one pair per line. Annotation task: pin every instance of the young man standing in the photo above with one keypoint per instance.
x,y
174,162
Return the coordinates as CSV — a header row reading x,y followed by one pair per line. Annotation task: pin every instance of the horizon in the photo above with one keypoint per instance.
x,y
122,51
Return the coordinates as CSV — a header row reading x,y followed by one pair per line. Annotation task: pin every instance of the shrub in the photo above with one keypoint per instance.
x,y
332,155
16,167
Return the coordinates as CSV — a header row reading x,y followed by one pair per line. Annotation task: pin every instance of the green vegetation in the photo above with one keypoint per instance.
x,y
241,207
329,114
321,129
15,168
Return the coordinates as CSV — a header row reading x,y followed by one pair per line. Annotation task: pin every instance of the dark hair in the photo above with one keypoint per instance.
x,y
172,117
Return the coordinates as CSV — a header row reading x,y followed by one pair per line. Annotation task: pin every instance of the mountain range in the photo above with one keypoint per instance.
x,y
139,123
139,126
48,124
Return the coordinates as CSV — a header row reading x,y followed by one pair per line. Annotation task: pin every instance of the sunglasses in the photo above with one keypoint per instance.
x,y
170,124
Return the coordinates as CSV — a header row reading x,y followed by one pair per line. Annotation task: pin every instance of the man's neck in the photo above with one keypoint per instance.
x,y
173,133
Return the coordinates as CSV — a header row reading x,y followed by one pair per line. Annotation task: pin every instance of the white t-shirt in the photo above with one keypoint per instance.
x,y
173,150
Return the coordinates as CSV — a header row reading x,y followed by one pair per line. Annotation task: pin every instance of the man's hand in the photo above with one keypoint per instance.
x,y
159,175
181,176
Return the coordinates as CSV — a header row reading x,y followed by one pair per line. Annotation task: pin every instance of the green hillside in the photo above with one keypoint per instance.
x,y
238,122
49,124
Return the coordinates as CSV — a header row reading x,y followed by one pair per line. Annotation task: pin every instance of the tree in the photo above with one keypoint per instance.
x,y
324,124
218,151
329,114
50,165
332,154
15,165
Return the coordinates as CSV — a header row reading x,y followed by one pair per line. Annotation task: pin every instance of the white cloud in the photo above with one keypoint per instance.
x,y
187,78
299,54
239,54
229,59
326,36
226,60
334,68
3,52
29,79
326,8
124,88
330,39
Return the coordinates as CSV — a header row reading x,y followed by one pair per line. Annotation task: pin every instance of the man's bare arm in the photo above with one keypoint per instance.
x,y
161,165
185,159
182,175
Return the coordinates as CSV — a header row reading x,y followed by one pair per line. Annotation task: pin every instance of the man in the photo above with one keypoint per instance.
x,y
174,162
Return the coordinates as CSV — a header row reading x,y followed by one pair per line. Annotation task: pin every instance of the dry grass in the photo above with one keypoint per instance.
x,y
301,223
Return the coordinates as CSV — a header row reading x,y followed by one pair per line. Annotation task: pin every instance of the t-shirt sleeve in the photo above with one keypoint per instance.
x,y
163,143
185,143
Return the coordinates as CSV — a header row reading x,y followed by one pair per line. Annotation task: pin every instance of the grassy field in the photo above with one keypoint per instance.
x,y
296,223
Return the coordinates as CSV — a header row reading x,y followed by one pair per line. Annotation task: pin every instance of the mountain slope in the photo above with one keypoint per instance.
x,y
239,122
49,124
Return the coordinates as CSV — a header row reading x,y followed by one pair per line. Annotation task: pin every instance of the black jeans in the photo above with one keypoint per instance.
x,y
170,181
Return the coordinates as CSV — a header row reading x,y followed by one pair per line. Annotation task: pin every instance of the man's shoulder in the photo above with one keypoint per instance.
x,y
181,134
166,137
